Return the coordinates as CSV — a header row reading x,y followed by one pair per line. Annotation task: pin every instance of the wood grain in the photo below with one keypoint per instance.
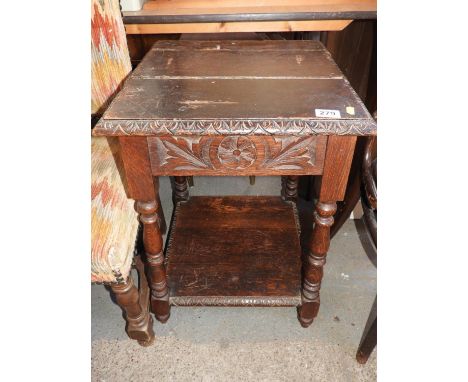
x,y
338,160
234,27
236,155
234,251
236,87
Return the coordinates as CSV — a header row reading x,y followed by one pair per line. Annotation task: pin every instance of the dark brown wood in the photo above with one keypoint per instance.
x,y
182,114
168,12
368,343
238,250
354,50
236,87
181,192
369,205
154,255
338,158
139,322
144,189
313,268
237,155
290,185
332,187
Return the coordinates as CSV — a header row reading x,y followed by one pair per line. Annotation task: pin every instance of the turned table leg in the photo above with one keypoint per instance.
x,y
181,192
139,322
290,184
152,240
313,269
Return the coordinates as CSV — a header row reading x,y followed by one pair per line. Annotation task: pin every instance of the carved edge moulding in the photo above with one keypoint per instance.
x,y
236,127
235,301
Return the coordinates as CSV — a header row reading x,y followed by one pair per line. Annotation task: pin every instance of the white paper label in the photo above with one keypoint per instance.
x,y
324,113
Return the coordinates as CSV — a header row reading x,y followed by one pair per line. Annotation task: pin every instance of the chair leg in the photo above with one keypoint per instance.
x,y
139,322
369,337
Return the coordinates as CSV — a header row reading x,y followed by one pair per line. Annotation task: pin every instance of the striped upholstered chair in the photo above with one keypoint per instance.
x,y
114,222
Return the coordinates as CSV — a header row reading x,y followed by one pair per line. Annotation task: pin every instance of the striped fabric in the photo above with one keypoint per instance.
x,y
114,222
110,60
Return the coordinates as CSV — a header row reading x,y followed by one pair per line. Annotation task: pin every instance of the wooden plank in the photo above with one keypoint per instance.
x,y
183,11
247,63
244,5
221,27
235,98
254,253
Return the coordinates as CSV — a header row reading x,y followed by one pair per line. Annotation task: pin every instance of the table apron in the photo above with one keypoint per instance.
x,y
237,155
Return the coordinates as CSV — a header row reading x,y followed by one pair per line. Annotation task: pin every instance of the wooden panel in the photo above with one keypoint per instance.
x,y
244,6
136,162
182,63
338,160
260,26
218,98
237,155
220,11
234,251
228,90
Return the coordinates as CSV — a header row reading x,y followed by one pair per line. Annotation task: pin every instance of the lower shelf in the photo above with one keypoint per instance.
x,y
234,251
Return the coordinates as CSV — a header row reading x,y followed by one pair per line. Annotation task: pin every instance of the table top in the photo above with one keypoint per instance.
x,y
237,87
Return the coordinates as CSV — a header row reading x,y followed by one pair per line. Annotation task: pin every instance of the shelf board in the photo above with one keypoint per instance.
x,y
217,16
234,251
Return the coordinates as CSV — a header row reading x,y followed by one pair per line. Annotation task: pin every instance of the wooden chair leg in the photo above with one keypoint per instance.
x,y
313,268
139,322
369,336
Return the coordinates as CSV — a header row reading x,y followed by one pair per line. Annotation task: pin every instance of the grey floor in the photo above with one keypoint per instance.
x,y
247,344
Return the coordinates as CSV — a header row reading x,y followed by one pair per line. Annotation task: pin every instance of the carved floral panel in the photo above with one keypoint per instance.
x,y
236,155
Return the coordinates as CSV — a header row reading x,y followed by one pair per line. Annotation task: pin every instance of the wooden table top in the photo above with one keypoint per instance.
x,y
237,87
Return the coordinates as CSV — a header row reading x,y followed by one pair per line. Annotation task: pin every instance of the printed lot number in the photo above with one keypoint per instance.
x,y
324,113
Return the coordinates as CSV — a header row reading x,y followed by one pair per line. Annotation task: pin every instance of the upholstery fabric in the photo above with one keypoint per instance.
x,y
114,221
110,60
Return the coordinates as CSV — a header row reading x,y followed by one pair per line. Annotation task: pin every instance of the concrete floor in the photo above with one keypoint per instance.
x,y
246,344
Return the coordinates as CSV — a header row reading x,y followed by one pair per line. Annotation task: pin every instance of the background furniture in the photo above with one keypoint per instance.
x,y
236,108
214,16
369,205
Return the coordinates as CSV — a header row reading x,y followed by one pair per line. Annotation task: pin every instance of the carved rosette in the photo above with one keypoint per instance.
x,y
237,152
257,155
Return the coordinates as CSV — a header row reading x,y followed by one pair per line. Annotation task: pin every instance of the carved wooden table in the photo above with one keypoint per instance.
x,y
236,108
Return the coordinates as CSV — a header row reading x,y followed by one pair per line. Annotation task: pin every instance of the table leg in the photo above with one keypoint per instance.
x,y
290,184
313,268
181,192
139,322
152,240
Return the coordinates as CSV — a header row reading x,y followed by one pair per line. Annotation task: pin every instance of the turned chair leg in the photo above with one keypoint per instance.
x,y
313,268
181,192
290,185
152,241
139,322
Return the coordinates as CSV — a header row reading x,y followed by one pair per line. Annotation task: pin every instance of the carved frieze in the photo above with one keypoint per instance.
x,y
256,155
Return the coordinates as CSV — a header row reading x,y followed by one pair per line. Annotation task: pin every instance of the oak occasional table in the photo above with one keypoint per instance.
x,y
236,108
